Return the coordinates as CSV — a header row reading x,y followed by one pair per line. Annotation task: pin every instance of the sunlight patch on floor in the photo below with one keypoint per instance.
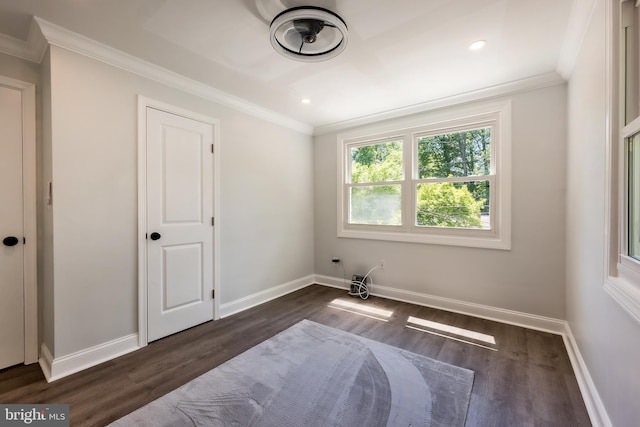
x,y
361,309
452,332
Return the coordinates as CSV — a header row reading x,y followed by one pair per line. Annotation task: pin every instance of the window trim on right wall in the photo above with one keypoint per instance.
x,y
622,272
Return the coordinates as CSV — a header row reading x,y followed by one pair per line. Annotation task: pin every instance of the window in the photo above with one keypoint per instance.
x,y
444,182
454,179
622,280
376,174
630,134
633,197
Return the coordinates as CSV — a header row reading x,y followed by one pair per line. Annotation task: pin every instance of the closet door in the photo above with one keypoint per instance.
x,y
179,223
11,229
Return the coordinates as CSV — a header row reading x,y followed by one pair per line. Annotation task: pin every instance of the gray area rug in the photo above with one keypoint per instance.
x,y
314,375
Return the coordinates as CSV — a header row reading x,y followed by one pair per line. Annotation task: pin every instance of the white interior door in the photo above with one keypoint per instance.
x,y
179,223
11,230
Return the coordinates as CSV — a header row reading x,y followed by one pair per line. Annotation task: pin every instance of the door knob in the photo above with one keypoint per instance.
x,y
10,241
155,236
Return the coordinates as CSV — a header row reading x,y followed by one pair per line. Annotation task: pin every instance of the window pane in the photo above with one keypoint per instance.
x,y
453,204
376,204
630,49
465,153
633,184
377,162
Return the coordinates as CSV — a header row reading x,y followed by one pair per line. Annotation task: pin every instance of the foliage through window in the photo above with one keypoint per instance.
x,y
375,193
454,170
437,183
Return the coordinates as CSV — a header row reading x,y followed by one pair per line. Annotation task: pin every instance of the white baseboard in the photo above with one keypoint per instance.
x,y
595,407
56,368
227,309
526,320
45,361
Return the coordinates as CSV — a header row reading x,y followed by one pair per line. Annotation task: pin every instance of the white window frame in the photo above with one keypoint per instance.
x,y
348,184
622,272
495,114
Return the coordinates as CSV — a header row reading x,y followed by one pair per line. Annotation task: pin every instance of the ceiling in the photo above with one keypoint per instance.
x,y
401,53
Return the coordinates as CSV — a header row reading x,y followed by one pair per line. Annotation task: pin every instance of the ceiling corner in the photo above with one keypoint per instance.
x,y
581,13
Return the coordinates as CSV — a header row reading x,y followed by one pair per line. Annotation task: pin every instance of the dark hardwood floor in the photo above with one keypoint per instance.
x,y
524,379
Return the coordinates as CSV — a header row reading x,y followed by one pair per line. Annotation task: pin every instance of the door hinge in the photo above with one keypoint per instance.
x,y
213,293
212,149
24,240
213,220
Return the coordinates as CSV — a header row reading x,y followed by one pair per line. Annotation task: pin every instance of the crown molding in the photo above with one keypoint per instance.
x,y
66,39
32,49
42,33
579,19
523,85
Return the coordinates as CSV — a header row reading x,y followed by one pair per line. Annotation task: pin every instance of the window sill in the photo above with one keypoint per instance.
x,y
625,290
492,242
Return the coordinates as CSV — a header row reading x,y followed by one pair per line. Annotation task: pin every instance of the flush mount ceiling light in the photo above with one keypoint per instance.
x,y
308,33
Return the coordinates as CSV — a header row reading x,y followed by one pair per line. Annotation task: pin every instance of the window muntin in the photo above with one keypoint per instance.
x,y
428,166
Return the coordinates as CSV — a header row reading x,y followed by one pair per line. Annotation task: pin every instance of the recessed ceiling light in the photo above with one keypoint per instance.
x,y
305,101
477,45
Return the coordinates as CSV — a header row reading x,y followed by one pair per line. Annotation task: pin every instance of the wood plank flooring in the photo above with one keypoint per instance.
x,y
524,379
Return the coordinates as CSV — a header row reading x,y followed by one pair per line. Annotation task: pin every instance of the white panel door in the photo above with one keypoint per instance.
x,y
11,229
179,223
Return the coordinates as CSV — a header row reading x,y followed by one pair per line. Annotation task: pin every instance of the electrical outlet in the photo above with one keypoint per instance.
x,y
381,264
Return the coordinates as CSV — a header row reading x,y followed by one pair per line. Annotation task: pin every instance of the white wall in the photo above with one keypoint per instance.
x,y
266,184
267,200
529,278
606,336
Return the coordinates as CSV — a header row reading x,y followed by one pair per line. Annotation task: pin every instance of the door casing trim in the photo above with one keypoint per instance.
x,y
143,104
